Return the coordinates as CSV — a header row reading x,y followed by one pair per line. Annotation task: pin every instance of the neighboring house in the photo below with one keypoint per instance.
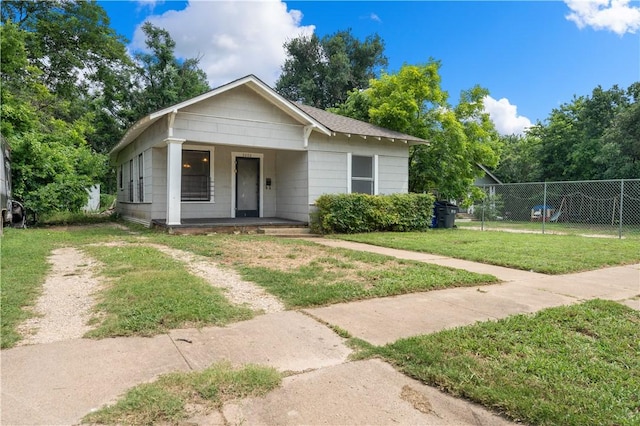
x,y
488,183
488,180
242,150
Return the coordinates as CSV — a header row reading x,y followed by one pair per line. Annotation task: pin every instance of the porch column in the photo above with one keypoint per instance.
x,y
174,179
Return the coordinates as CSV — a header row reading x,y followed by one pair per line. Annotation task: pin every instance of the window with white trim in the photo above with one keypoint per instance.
x,y
196,175
362,174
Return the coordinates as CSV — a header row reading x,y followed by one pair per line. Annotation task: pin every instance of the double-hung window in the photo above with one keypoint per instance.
x,y
362,174
140,178
131,181
196,175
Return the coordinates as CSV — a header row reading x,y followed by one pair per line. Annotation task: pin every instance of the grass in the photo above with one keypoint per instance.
x,y
548,254
151,293
23,261
304,274
573,365
628,231
166,400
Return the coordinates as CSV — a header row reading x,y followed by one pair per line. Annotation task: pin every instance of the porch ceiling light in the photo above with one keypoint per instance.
x,y
186,166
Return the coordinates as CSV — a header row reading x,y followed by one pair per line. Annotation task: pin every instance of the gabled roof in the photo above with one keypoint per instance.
x,y
319,120
349,126
488,173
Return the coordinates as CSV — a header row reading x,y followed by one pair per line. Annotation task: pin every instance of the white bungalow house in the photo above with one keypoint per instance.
x,y
242,150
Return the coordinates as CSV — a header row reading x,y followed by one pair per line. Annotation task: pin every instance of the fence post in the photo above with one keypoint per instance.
x,y
621,206
544,206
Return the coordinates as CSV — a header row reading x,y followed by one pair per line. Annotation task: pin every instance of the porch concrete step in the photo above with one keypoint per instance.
x,y
279,231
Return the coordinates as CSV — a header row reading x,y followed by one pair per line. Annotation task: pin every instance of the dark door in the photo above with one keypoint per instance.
x,y
247,187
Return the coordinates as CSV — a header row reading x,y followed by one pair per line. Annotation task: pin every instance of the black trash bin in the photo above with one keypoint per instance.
x,y
444,214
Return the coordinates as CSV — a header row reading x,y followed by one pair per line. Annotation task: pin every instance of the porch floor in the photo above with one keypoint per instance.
x,y
242,224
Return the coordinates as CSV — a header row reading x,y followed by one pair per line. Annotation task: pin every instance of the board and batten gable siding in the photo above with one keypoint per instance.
x,y
328,163
239,117
292,185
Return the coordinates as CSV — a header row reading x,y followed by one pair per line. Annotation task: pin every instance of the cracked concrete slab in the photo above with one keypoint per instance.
x,y
59,383
363,392
285,340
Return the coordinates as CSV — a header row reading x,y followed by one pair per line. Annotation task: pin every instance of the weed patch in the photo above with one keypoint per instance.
x,y
169,398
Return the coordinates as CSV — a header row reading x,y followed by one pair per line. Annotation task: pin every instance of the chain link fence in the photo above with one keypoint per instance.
x,y
605,207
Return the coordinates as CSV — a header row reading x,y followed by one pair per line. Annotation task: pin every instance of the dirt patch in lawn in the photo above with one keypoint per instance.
x,y
238,291
64,308
281,256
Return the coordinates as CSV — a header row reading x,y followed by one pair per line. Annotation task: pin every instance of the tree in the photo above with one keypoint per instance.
x,y
52,163
164,79
412,101
591,137
619,156
519,159
320,72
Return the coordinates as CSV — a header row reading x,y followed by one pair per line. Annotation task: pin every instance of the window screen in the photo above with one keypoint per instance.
x,y
362,174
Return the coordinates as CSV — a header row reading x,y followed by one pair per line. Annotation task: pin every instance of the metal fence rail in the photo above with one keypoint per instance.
x,y
605,207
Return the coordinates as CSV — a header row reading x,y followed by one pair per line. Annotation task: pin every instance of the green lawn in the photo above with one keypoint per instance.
x,y
576,365
149,293
549,254
628,231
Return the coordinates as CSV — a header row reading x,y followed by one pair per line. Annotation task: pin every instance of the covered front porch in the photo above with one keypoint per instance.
x,y
227,225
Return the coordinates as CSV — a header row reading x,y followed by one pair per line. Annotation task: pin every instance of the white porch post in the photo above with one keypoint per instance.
x,y
174,179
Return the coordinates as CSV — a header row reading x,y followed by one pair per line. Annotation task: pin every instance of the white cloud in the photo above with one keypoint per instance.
x,y
505,116
232,38
148,4
613,15
375,17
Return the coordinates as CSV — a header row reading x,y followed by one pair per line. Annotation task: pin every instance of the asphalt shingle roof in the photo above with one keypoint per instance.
x,y
340,124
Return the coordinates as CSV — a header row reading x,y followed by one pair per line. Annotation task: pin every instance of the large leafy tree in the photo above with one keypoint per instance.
x,y
52,163
164,79
591,137
320,71
519,159
412,101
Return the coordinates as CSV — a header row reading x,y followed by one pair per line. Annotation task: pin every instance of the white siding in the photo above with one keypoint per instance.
x,y
242,118
291,185
328,164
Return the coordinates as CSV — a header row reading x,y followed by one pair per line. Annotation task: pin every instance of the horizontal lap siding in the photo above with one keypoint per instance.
x,y
222,180
328,163
159,185
239,117
393,174
291,185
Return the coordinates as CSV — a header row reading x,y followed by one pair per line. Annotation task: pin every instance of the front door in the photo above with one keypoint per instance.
x,y
247,187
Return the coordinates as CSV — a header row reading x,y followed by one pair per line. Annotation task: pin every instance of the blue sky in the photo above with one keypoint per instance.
x,y
531,56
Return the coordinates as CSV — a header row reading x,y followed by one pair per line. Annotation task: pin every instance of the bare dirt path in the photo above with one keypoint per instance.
x,y
238,290
65,304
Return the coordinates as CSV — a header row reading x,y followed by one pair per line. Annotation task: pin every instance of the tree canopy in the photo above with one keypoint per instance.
x,y
590,138
413,102
68,92
321,71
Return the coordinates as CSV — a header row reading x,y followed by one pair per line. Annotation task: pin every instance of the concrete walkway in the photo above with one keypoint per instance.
x,y
58,383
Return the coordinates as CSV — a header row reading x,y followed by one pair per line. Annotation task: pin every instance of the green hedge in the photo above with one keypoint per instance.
x,y
352,213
